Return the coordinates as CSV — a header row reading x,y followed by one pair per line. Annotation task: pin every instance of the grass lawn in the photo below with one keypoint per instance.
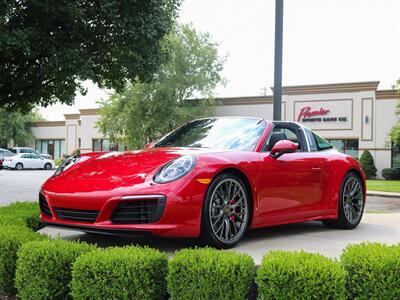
x,y
384,185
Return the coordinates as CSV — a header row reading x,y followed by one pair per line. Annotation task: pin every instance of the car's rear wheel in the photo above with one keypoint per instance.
x,y
47,166
225,211
19,166
351,203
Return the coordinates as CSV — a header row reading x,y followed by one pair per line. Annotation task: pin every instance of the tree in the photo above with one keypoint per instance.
x,y
395,131
368,164
48,47
145,111
15,127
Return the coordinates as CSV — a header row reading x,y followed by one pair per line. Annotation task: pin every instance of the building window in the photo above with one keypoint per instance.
x,y
104,145
396,156
56,148
348,146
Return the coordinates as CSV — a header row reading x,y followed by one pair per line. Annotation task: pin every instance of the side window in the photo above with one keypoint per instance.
x,y
311,140
26,156
34,156
321,143
290,135
279,133
24,151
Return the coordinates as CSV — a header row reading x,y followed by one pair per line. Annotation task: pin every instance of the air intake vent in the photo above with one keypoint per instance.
x,y
139,211
44,206
89,216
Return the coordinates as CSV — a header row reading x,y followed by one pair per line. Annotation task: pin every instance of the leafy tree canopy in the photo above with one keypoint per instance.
x,y
395,131
15,127
48,47
145,111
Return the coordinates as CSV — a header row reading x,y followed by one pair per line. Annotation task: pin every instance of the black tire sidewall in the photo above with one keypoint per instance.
x,y
342,218
45,166
207,233
19,164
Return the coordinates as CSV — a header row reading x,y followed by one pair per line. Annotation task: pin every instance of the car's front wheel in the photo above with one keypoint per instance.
x,y
19,166
351,203
226,211
47,166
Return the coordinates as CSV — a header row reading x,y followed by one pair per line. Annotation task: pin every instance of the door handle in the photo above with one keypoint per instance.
x,y
316,169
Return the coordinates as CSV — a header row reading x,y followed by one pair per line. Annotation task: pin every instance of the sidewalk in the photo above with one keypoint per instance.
x,y
383,194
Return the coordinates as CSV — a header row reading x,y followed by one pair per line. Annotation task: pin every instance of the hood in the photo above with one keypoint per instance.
x,y
108,171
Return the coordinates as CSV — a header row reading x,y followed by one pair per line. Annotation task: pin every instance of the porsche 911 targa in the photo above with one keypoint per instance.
x,y
212,178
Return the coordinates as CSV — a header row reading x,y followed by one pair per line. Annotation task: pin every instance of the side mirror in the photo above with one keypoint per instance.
x,y
282,147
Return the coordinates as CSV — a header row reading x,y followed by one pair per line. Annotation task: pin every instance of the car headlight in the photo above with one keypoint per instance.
x,y
175,169
66,164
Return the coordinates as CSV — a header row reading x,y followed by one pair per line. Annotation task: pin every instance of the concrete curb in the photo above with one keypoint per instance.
x,y
384,194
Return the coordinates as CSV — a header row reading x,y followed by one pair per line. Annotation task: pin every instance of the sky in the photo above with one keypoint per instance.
x,y
324,41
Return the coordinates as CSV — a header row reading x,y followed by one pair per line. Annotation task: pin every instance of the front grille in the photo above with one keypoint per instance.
x,y
77,214
139,211
44,206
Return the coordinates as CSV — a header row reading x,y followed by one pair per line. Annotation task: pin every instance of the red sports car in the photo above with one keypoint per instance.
x,y
212,178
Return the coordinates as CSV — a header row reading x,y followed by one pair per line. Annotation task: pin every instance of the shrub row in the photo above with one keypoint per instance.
x,y
36,267
57,269
21,213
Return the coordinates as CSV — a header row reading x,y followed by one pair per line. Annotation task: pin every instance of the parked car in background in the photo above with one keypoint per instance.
x,y
3,154
27,161
29,150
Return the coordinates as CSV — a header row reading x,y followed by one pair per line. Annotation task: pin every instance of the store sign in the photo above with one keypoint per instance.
x,y
325,114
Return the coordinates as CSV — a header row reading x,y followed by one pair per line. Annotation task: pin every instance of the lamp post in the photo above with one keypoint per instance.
x,y
277,107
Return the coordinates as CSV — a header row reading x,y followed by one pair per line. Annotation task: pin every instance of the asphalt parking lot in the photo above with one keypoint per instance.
x,y
21,185
381,223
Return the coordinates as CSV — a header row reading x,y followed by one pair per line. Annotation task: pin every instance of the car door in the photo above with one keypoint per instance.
x,y
37,161
290,186
26,160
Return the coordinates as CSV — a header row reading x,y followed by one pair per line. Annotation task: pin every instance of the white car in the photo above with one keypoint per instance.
x,y
19,150
27,161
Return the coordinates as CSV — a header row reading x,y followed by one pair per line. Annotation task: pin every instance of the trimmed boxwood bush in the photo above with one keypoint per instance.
x,y
21,213
300,275
368,164
210,274
44,268
373,271
391,174
11,238
120,273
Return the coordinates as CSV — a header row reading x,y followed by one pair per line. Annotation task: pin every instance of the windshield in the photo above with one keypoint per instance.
x,y
224,133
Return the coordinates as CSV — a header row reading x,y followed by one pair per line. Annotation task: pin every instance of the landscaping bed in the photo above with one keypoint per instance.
x,y
33,266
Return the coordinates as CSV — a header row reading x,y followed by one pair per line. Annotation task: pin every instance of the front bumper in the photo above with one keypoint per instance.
x,y
179,216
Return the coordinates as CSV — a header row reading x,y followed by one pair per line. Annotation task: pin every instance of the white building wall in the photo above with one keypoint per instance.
x,y
369,119
89,132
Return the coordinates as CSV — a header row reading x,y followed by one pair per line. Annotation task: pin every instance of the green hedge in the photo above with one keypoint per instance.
x,y
210,274
44,268
120,273
391,173
300,275
11,238
373,271
21,213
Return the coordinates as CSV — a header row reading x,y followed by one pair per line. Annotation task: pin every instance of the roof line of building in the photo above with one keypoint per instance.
x,y
387,94
286,90
344,87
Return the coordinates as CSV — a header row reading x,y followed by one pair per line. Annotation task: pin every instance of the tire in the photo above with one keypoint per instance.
x,y
225,218
19,166
47,166
349,218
